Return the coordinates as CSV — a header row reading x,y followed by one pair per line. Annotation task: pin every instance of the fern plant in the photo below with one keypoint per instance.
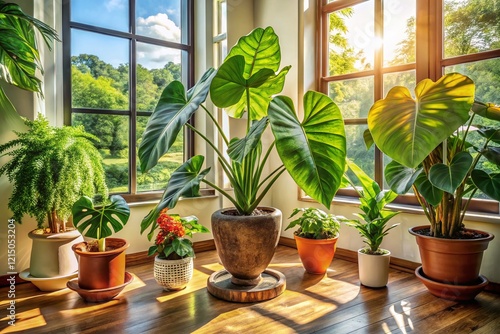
x,y
50,168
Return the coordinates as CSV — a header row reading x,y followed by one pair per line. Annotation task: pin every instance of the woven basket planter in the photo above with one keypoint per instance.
x,y
173,275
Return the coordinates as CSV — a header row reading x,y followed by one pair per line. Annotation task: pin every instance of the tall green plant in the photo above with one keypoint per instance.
x,y
50,168
312,151
373,224
427,138
19,55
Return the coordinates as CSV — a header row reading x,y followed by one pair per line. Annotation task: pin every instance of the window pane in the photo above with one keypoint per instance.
x,y
406,79
159,19
471,26
354,97
99,73
99,12
157,177
112,132
157,66
399,32
486,76
351,39
357,152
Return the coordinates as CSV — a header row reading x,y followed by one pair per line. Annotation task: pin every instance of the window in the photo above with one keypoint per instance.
x,y
118,58
368,46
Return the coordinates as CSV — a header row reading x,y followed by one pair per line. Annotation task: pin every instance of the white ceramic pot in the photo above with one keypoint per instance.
x,y
51,254
373,269
173,275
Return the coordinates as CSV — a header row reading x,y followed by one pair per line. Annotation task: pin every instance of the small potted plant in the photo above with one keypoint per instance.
x,y
173,267
101,260
373,261
430,139
316,237
50,168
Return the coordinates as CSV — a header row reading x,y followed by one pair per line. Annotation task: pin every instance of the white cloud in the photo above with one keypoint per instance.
x,y
114,4
153,56
159,26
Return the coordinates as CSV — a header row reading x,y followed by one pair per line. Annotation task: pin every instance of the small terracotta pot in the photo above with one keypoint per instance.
x,y
101,270
316,254
373,269
454,261
246,244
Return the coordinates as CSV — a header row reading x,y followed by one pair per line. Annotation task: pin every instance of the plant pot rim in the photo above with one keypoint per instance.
x,y
318,240
412,230
184,259
270,209
387,252
124,245
69,234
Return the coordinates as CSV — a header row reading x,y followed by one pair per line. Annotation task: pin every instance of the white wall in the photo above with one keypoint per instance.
x,y
295,26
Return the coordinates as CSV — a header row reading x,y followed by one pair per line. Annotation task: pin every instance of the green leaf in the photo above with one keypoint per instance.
x,y
487,110
313,152
182,247
368,139
489,184
490,133
95,223
184,182
449,177
19,55
250,68
400,178
152,250
408,129
239,148
173,111
492,153
428,191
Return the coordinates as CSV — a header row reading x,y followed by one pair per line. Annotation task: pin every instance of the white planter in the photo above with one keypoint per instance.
x,y
173,274
373,269
51,254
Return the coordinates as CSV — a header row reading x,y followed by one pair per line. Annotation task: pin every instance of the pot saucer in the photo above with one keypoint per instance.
x,y
47,284
452,291
99,295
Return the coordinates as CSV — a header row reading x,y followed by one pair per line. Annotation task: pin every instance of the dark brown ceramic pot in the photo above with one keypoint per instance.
x,y
451,261
101,270
246,244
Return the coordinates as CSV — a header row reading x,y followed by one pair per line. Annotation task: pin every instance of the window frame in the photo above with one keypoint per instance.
x,y
430,63
188,72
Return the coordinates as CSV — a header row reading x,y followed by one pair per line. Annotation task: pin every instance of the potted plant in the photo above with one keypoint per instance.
x,y
50,168
316,238
173,266
102,260
312,151
373,261
429,139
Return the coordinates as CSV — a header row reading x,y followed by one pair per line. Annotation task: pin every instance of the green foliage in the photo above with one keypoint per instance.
x,y
171,242
50,168
427,138
94,222
312,151
315,223
373,224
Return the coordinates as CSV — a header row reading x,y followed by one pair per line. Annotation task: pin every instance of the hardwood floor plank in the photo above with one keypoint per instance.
x,y
330,303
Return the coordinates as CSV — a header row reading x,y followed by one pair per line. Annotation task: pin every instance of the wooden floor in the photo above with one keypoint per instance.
x,y
334,303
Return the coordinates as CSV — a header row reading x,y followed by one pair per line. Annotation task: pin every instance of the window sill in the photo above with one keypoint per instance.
x,y
152,198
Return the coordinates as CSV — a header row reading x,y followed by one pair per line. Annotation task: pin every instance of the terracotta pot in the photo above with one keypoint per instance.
x,y
51,254
102,270
373,269
173,275
455,261
246,244
316,254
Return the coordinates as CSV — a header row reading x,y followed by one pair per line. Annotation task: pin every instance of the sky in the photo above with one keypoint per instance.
x,y
159,19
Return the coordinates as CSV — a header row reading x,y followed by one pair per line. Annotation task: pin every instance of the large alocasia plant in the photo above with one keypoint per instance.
x,y
427,136
312,151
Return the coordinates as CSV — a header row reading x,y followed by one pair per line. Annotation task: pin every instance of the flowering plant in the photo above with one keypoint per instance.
x,y
171,242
